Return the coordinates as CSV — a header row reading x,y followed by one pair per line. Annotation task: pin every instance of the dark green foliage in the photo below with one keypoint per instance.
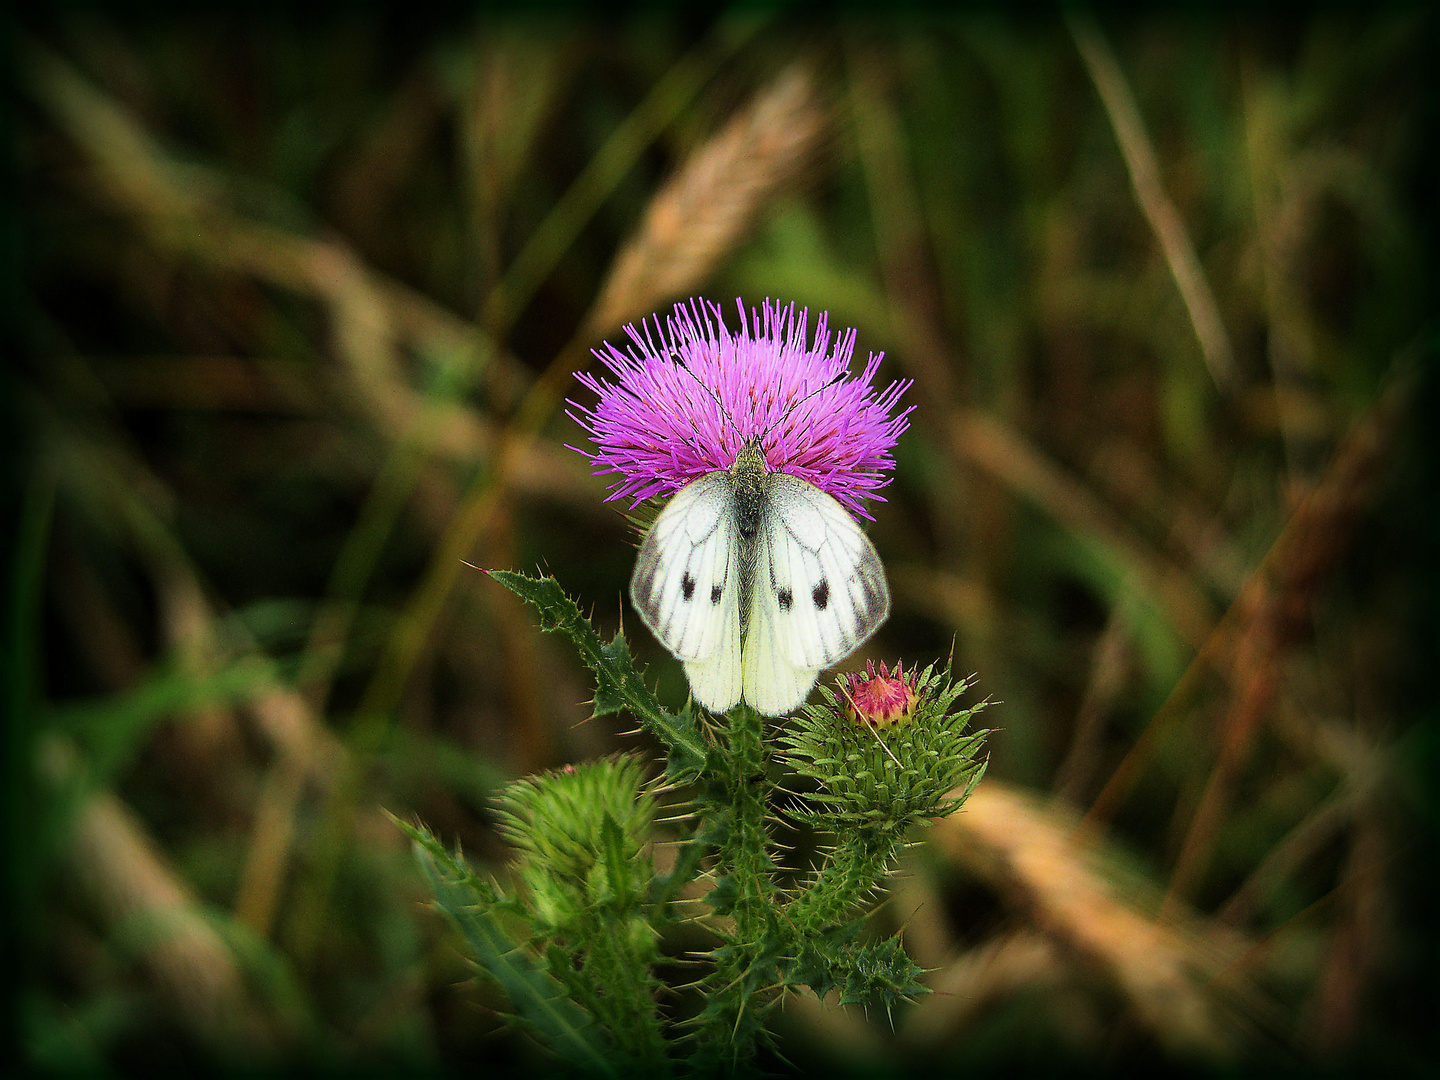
x,y
537,996
618,685
880,973
593,903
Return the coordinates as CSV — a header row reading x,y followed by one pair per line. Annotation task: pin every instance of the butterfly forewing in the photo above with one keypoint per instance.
x,y
684,584
826,584
810,578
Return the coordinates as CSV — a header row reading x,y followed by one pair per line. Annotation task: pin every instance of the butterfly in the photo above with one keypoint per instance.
x,y
757,581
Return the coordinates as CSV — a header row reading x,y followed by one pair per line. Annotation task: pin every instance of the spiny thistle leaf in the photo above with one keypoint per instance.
x,y
666,887
618,686
881,973
723,897
616,863
539,1000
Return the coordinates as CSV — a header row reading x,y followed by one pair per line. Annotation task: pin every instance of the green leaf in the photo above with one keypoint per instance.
x,y
876,974
110,730
536,996
618,686
617,861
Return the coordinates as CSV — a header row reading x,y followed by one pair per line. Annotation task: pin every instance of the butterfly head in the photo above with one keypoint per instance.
x,y
750,464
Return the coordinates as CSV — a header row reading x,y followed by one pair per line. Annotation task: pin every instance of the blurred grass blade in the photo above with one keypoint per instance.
x,y
558,231
111,729
21,665
537,997
1159,210
709,205
1079,894
618,686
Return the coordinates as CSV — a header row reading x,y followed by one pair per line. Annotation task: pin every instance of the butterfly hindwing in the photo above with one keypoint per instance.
x,y
686,587
819,592
774,685
812,582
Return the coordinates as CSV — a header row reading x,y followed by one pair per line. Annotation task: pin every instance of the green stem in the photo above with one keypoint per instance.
x,y
619,968
746,852
855,867
730,1023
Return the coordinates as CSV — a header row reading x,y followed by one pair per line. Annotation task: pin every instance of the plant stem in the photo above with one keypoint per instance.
x,y
619,968
730,1023
853,870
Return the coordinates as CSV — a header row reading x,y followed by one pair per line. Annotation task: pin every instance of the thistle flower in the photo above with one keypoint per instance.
x,y
690,394
881,700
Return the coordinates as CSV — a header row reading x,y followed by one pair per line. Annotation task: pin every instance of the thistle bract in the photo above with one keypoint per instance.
x,y
580,836
892,776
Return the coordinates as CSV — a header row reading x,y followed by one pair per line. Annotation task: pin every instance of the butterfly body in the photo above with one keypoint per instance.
x,y
757,581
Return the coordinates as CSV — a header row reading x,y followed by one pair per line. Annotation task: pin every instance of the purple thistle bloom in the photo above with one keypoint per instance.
x,y
664,423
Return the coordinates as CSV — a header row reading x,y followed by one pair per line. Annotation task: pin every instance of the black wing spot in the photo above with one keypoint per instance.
x,y
822,595
715,591
785,597
687,586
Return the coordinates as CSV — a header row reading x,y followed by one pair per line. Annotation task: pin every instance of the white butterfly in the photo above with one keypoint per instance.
x,y
757,580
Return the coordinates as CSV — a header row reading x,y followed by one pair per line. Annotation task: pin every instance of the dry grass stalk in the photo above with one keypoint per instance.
x,y
1109,670
711,203
1334,1016
184,213
143,900
977,981
964,603
1301,844
915,308
516,77
1159,210
1164,968
184,210
1131,478
1273,611
1274,601
1149,192
986,442
305,748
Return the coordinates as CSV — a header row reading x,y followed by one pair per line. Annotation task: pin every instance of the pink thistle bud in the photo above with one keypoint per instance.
x,y
883,699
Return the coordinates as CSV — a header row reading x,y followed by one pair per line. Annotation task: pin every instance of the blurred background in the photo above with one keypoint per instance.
x,y
298,301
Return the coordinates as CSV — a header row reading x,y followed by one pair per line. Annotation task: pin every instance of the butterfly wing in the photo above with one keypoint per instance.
x,y
686,587
819,592
774,684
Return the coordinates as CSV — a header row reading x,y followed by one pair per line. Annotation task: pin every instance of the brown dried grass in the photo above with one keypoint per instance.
x,y
709,205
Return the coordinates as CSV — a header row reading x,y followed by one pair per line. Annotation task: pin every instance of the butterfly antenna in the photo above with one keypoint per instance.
x,y
680,360
838,377
724,412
